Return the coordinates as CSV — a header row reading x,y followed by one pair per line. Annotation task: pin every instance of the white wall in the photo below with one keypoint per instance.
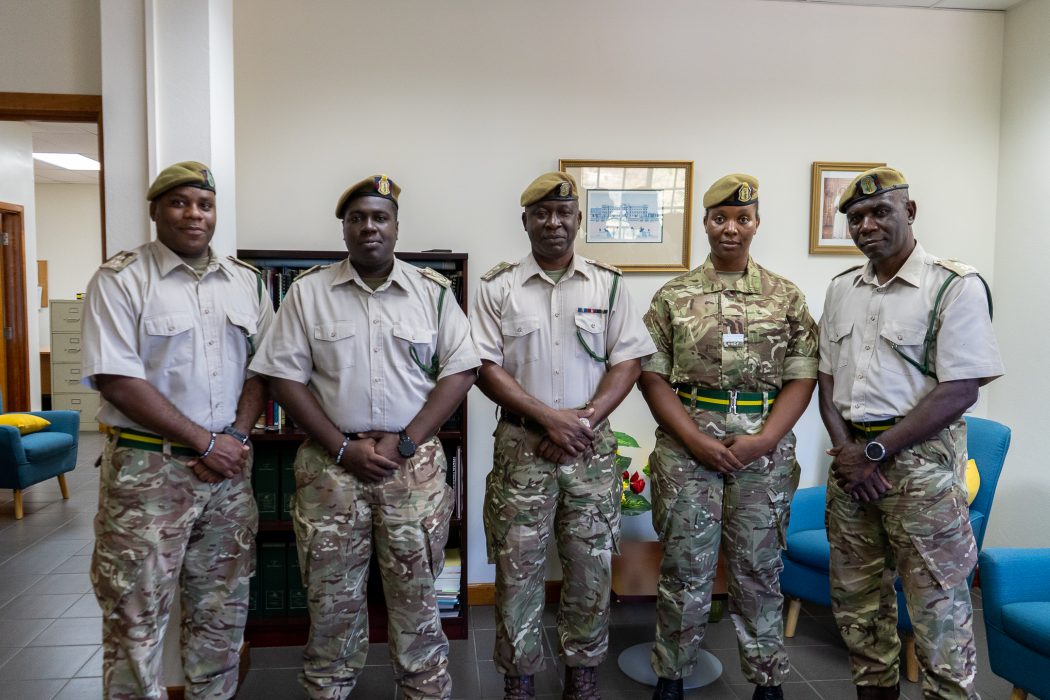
x,y
1022,247
16,187
69,238
50,46
463,103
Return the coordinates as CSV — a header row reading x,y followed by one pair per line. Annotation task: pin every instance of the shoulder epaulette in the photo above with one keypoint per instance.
x,y
846,272
238,261
308,271
435,276
121,260
606,266
498,270
959,268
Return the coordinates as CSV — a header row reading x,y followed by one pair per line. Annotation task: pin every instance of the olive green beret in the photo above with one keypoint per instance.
x,y
188,172
870,183
556,185
736,190
374,186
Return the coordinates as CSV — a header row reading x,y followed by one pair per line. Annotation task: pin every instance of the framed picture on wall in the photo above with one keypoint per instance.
x,y
636,213
828,233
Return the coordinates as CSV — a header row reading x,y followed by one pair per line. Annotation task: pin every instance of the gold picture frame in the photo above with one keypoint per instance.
x,y
828,233
637,214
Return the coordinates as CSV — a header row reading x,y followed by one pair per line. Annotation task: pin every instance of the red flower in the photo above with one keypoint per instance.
x,y
638,485
625,475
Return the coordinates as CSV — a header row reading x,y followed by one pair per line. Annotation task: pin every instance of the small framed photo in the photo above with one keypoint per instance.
x,y
828,232
636,213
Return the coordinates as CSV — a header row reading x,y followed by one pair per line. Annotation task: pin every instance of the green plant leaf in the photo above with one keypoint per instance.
x,y
646,470
625,440
622,463
634,504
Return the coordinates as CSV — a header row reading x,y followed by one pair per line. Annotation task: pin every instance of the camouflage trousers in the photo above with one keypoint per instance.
x,y
160,530
695,512
525,495
921,528
336,518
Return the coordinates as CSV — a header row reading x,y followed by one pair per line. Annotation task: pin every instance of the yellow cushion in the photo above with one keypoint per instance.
x,y
24,422
973,481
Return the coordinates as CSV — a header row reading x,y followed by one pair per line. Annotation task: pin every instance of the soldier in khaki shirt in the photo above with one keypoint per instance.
x,y
892,402
735,367
169,329
370,356
560,348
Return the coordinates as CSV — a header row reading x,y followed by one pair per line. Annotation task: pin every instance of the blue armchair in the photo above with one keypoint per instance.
x,y
806,557
1015,589
29,459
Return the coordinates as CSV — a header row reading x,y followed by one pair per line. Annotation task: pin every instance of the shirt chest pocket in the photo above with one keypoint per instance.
x,y
240,336
412,344
521,340
169,340
590,335
333,344
899,343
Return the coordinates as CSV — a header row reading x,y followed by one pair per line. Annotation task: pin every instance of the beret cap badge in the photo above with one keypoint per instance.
x,y
867,184
564,190
383,185
745,193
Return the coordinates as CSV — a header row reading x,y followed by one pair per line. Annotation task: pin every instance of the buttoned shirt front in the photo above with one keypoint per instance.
x,y
864,321
750,334
190,337
553,338
352,345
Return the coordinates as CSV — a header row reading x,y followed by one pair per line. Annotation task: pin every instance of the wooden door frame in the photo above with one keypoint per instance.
x,y
46,107
16,302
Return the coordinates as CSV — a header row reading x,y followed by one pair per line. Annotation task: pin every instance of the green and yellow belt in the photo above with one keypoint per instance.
x,y
725,401
138,440
872,428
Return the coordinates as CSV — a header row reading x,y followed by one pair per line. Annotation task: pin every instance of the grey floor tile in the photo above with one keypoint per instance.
x,y
483,617
277,657
85,606
7,653
634,613
70,631
825,663
378,655
813,631
34,689
77,564
483,641
81,689
35,663
463,669
63,583
376,682
13,585
93,667
720,635
19,633
30,606
278,684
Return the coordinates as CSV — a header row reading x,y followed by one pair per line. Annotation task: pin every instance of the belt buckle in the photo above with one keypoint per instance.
x,y
732,400
692,397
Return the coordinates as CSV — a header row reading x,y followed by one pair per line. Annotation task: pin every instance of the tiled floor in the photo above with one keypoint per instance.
x,y
50,629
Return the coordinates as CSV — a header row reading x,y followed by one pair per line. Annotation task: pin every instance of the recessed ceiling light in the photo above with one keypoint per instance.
x,y
69,161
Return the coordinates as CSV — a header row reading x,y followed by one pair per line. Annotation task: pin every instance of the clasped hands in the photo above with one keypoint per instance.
x,y
857,475
730,454
225,461
569,435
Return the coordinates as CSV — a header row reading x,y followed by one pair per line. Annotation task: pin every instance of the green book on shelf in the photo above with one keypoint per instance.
x,y
296,590
253,594
273,584
265,480
287,482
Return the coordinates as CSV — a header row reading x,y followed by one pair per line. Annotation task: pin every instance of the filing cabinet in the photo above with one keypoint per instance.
x,y
67,393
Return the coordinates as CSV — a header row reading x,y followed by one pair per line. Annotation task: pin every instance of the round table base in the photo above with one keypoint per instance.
x,y
634,662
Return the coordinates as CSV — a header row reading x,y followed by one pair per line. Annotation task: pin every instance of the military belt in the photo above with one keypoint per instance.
x,y
871,428
726,401
522,421
138,440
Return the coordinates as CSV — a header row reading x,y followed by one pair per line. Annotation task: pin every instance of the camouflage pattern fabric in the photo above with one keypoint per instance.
x,y
921,527
160,531
695,511
527,498
336,519
689,314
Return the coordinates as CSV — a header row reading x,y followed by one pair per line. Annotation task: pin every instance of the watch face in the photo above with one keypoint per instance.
x,y
875,451
405,446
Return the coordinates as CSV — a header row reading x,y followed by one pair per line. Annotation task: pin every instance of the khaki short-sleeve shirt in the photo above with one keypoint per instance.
x,y
751,334
190,337
554,339
356,348
863,321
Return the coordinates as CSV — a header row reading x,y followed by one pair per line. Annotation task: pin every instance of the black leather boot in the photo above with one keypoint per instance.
x,y
518,688
768,692
668,689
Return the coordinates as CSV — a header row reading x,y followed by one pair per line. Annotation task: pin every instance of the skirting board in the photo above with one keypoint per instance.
x,y
485,593
178,692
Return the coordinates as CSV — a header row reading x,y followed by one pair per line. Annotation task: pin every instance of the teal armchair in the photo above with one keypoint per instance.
x,y
49,453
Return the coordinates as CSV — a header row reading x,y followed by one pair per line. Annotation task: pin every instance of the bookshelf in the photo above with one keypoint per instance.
x,y
277,615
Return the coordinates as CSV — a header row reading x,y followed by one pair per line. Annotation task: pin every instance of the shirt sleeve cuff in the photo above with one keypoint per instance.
x,y
987,372
458,366
800,368
279,372
118,368
658,362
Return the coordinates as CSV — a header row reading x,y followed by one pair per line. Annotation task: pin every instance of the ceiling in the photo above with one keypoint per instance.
x,y
63,137
938,4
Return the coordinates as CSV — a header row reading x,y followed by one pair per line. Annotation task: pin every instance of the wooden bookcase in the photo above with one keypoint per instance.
x,y
275,448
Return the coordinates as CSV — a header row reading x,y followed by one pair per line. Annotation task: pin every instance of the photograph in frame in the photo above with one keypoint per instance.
x,y
636,214
828,232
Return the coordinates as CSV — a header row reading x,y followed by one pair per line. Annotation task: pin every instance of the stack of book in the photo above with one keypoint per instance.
x,y
447,584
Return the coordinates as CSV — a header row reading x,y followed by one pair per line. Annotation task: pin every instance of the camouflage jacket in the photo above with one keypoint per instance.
x,y
751,335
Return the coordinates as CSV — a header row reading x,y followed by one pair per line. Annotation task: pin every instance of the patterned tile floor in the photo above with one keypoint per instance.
x,y
50,629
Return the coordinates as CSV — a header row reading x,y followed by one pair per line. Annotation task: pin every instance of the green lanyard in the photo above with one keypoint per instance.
x,y
579,336
434,368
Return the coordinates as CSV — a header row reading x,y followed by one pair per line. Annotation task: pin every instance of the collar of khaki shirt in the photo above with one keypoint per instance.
x,y
750,282
910,272
530,268
346,272
168,260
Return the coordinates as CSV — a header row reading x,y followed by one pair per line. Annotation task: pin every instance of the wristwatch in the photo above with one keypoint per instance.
x,y
230,430
405,445
875,451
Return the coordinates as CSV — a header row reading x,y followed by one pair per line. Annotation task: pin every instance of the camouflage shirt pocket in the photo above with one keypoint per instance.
x,y
942,536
